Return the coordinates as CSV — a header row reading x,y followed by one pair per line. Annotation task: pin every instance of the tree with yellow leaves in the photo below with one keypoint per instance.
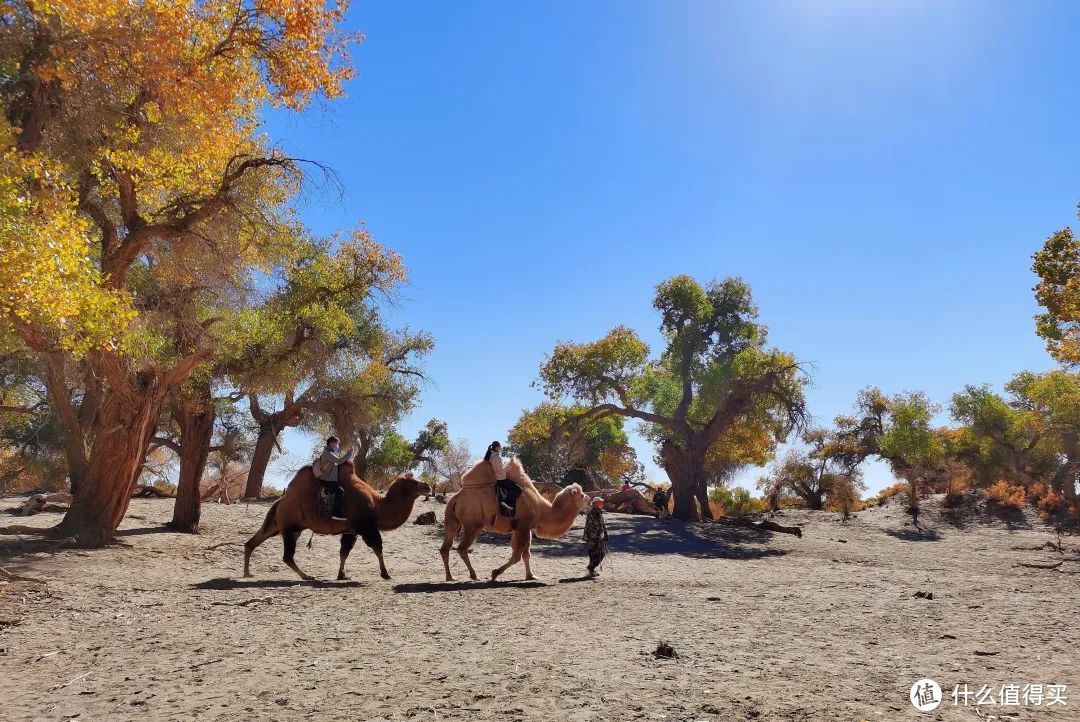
x,y
130,164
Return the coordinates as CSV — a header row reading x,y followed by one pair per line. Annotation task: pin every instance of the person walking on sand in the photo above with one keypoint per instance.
x,y
596,535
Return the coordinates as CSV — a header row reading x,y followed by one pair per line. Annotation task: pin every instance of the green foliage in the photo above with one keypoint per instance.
x,y
737,502
714,399
392,456
822,473
1057,265
552,438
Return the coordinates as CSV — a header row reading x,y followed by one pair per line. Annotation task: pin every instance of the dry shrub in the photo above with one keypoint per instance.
x,y
1051,505
224,483
954,497
1036,492
891,491
1006,495
718,510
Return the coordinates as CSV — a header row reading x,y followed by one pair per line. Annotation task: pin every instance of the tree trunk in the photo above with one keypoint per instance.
x,y
260,459
1064,481
74,435
127,419
196,433
703,499
681,471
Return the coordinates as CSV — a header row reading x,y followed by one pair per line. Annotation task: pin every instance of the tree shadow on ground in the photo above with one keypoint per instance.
x,y
16,546
914,534
144,530
465,586
649,536
226,583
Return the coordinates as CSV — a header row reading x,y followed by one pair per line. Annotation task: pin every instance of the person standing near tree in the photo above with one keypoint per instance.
x,y
596,535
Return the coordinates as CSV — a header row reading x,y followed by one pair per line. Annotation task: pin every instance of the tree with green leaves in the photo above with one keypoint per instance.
x,y
714,373
1057,265
815,474
319,347
551,439
737,502
897,429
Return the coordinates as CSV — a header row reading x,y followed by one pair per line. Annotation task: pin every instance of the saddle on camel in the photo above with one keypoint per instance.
x,y
476,508
365,513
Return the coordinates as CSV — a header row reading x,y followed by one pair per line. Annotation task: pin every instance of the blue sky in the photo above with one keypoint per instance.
x,y
879,172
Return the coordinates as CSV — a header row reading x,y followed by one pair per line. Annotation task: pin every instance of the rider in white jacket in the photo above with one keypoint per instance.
x,y
506,491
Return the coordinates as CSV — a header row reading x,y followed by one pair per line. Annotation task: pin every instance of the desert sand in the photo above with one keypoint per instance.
x,y
766,626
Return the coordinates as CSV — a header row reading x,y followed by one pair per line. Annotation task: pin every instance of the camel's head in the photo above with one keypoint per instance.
x,y
412,488
573,495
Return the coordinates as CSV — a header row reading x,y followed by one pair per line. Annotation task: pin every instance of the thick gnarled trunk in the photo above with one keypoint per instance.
x,y
126,422
196,433
687,482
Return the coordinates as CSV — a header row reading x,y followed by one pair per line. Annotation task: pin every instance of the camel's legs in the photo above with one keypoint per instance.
x,y
453,526
290,536
347,542
517,545
373,539
465,546
268,529
526,555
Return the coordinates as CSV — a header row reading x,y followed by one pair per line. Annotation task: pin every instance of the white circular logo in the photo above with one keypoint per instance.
x,y
925,695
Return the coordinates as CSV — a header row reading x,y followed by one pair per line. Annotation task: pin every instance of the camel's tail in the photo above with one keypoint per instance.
x,y
271,517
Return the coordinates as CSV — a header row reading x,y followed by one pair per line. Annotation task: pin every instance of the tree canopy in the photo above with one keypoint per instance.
x,y
714,378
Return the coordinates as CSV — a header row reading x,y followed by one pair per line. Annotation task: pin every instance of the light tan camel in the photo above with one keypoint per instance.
x,y
475,508
367,513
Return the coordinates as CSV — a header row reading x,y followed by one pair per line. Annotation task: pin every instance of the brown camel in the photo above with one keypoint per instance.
x,y
367,513
475,508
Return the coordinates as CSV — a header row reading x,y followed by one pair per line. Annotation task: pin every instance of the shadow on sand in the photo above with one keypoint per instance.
x,y
631,534
429,587
144,530
225,583
572,580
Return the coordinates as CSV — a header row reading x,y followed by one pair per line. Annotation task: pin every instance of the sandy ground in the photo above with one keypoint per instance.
x,y
767,627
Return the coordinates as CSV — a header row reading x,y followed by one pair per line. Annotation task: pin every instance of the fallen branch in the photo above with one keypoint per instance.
x,y
767,525
144,491
222,544
246,602
1055,565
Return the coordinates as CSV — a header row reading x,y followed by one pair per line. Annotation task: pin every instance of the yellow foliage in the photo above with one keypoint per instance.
x,y
49,286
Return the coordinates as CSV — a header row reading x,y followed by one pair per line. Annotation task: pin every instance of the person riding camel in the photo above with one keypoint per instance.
x,y
326,470
506,491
